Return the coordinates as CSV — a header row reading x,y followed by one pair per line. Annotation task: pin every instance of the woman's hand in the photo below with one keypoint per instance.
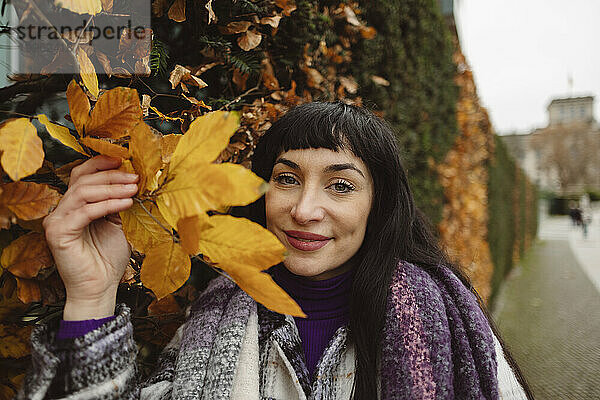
x,y
85,236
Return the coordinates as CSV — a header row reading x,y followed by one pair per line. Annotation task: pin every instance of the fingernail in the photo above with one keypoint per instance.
x,y
131,186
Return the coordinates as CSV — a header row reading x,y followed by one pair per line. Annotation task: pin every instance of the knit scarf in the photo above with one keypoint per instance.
x,y
436,342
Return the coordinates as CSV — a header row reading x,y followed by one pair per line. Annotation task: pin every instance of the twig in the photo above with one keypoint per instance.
x,y
247,92
41,15
155,220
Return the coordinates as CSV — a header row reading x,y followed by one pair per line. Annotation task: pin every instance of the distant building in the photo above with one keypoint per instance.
x,y
564,156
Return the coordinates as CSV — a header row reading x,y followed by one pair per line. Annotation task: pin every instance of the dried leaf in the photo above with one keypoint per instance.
x,y
349,84
249,40
79,106
62,134
235,27
159,7
166,305
107,5
64,172
87,73
351,16
165,269
239,79
6,218
378,80
115,114
91,7
211,14
144,148
268,75
288,6
78,36
168,143
104,147
145,104
243,249
211,187
29,200
28,290
190,231
25,256
204,140
273,21
141,230
367,32
181,73
177,11
22,149
313,78
14,341
105,62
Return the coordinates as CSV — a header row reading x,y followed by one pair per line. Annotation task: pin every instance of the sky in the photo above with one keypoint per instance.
x,y
522,53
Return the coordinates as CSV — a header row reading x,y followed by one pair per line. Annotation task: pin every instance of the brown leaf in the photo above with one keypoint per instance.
x,y
107,5
129,275
273,21
115,114
235,27
78,36
249,40
105,62
22,151
165,269
79,106
14,341
6,218
144,148
181,73
145,104
177,11
28,290
27,255
106,148
64,172
159,7
239,79
288,6
313,78
166,305
29,200
378,80
268,75
349,84
142,67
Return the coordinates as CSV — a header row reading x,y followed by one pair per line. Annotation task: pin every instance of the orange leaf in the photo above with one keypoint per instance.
x,y
144,148
168,143
190,230
27,255
29,200
115,114
23,153
79,106
14,341
105,147
165,269
28,290
177,11
166,305
87,72
249,40
141,230
268,75
287,5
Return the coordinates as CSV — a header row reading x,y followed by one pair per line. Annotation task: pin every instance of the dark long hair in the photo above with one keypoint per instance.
x,y
396,229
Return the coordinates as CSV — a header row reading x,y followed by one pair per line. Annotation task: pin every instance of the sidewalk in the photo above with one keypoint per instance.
x,y
548,312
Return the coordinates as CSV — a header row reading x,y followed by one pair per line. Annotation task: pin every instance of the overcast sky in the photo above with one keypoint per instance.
x,y
523,51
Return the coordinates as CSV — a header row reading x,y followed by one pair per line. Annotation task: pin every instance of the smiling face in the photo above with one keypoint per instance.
x,y
318,205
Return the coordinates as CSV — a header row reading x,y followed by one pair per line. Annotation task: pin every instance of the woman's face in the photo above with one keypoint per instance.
x,y
318,205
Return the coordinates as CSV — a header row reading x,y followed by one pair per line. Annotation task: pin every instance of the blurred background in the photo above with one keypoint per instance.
x,y
494,104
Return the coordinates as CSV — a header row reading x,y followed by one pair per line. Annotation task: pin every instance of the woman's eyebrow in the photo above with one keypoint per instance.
x,y
329,168
287,162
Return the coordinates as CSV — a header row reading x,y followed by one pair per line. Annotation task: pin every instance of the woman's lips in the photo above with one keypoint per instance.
x,y
306,241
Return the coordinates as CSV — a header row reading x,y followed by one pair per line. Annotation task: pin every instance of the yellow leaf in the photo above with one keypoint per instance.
x,y
168,143
204,140
27,255
79,106
87,72
165,269
144,148
115,114
91,7
190,230
261,287
126,166
208,187
14,341
106,148
62,134
141,231
23,153
29,200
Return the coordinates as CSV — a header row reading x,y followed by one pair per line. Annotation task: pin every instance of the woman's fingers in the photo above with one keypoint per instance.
x,y
82,194
82,217
93,165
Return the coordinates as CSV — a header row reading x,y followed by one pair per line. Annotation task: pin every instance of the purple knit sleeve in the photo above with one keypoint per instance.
x,y
73,329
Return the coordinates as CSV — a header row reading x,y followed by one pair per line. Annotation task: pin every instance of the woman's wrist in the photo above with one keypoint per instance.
x,y
84,309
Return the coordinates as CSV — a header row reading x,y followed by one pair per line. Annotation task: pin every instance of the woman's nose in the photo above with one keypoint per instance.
x,y
307,208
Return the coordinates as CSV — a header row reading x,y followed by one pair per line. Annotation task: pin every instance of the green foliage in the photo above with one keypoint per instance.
x,y
413,51
159,58
245,62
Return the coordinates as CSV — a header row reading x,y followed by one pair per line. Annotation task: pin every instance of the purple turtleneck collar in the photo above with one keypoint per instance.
x,y
326,304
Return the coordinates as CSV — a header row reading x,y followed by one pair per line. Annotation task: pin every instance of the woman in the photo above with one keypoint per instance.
x,y
388,315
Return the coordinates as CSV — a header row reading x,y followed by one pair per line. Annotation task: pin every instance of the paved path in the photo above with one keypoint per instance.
x,y
549,312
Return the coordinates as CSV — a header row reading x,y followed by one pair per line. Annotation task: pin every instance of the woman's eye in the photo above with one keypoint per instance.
x,y
285,179
342,187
